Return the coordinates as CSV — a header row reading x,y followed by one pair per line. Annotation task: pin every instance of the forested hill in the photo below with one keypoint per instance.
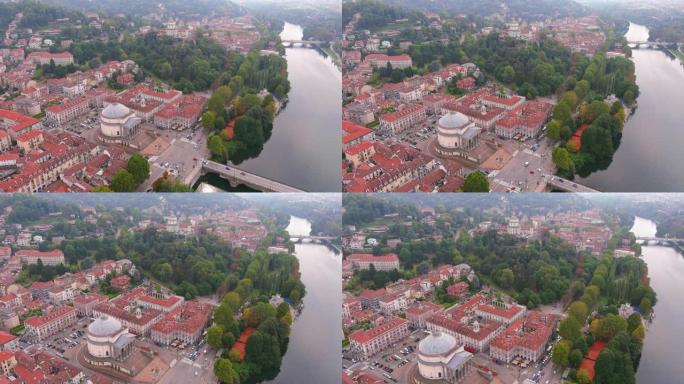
x,y
174,8
527,9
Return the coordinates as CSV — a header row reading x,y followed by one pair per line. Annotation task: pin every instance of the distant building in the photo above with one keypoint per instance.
x,y
381,263
369,342
381,61
31,256
41,327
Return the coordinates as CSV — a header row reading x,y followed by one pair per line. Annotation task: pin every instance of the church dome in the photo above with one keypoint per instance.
x,y
454,120
115,111
437,343
104,326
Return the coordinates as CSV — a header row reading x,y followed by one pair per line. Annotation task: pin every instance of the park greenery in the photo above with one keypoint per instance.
x,y
583,107
376,14
603,285
248,291
530,70
137,170
190,268
362,209
36,14
476,182
185,65
240,99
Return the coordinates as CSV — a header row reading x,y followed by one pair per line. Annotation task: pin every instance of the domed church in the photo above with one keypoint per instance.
x,y
117,123
455,132
109,344
442,358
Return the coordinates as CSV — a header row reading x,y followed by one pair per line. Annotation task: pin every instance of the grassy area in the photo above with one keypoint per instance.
x,y
18,330
345,343
374,124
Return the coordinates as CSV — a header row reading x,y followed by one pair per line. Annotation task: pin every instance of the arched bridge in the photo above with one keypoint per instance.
x,y
237,176
316,42
660,239
566,185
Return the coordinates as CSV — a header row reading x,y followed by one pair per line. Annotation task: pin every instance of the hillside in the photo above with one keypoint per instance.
x,y
171,8
527,9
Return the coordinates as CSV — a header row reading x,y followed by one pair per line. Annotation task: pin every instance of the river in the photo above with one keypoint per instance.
x,y
313,354
650,154
660,361
304,148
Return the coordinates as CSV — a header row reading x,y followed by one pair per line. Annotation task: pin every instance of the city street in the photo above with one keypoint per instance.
x,y
181,157
527,171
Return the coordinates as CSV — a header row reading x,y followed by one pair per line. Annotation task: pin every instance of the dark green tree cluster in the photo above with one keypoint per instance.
x,y
40,272
51,70
532,70
128,179
362,209
376,14
187,66
168,183
389,74
610,282
27,209
476,182
541,271
602,123
190,268
36,14
263,353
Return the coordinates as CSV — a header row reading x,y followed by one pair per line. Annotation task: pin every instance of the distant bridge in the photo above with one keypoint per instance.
x,y
660,239
310,42
236,176
653,43
326,240
568,185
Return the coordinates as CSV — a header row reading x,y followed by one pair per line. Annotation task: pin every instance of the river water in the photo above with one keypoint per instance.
x,y
304,148
661,362
650,156
313,354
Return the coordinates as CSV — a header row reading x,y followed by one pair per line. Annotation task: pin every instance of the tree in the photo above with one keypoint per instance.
x,y
505,278
208,119
223,316
575,358
101,188
553,130
639,332
645,306
610,326
263,350
579,311
633,322
214,336
223,369
476,182
139,167
232,299
257,314
216,147
570,329
123,181
583,377
563,161
560,353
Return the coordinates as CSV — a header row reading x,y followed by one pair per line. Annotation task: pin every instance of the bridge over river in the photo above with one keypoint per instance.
x,y
236,176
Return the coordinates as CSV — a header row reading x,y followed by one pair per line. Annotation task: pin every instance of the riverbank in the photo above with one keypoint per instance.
x,y
660,362
650,146
298,151
314,335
